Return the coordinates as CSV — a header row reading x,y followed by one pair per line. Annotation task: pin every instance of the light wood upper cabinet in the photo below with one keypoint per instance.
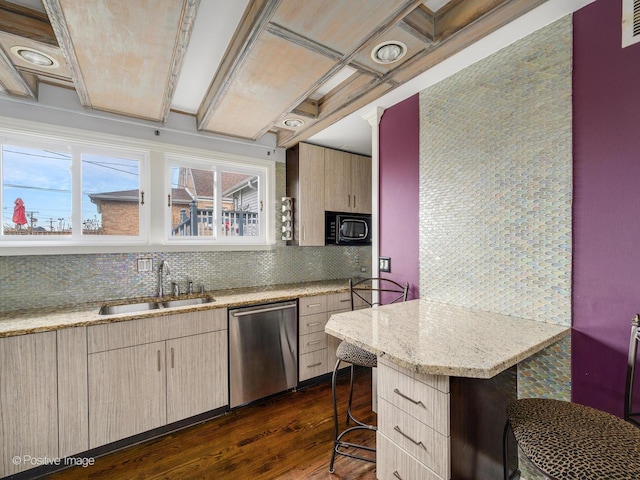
x,y
28,400
361,183
337,185
305,183
347,185
322,179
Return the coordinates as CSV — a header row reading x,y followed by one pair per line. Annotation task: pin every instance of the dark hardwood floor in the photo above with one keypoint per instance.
x,y
286,437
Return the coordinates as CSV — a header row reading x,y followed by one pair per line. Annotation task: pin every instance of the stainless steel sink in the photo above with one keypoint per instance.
x,y
145,306
186,301
128,308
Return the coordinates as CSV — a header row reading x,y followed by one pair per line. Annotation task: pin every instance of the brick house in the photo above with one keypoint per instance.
x,y
194,193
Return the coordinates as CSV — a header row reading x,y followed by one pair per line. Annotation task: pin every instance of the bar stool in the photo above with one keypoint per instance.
x,y
571,441
361,296
629,414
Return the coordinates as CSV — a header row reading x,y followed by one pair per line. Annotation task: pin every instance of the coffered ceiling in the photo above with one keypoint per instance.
x,y
304,60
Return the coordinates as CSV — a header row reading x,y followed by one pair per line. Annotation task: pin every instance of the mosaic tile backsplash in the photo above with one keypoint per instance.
x,y
64,280
496,191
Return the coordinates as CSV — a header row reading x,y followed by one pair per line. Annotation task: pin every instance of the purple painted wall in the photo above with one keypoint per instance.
x,y
399,191
606,212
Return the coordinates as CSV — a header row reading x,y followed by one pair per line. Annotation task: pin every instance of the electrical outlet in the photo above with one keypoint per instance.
x,y
145,264
384,264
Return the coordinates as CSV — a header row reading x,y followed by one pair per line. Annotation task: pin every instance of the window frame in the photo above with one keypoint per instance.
x,y
152,181
76,148
215,163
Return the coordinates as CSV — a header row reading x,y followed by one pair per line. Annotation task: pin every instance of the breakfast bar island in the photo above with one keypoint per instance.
x,y
445,376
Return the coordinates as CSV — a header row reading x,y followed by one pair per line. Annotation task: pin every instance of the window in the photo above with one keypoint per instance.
x,y
70,193
215,201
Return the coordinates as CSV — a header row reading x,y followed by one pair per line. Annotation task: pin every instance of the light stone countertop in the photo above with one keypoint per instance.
x,y
48,319
439,339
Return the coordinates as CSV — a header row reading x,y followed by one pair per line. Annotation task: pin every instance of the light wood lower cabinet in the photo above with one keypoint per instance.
x,y
135,388
28,401
197,379
127,392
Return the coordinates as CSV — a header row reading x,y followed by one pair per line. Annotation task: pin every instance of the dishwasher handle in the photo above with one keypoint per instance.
x,y
243,313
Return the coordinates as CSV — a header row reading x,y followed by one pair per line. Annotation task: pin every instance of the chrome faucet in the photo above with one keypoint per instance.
x,y
163,268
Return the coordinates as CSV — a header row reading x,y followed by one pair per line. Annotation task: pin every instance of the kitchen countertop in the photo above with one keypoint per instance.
x,y
48,319
439,339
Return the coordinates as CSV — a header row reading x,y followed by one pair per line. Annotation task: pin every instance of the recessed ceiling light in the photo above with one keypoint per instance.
x,y
293,122
34,57
389,52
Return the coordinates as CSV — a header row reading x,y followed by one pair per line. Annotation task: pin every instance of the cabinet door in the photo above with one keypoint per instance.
x,y
361,184
127,392
310,202
338,196
196,375
28,400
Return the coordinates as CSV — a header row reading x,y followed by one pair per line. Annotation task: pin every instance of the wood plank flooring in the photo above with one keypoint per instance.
x,y
286,437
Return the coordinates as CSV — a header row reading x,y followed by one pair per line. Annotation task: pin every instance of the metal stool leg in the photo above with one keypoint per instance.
x,y
515,475
337,438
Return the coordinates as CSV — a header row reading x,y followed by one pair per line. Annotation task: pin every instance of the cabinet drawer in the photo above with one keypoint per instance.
x,y
312,364
309,305
428,446
312,323
312,342
425,403
110,336
339,302
393,463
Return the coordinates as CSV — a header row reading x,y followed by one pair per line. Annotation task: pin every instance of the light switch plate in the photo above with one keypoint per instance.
x,y
145,264
384,264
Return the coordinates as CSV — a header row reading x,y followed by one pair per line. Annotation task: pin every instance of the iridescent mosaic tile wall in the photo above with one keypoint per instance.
x,y
496,189
61,280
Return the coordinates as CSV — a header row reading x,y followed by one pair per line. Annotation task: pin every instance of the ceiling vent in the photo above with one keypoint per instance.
x,y
630,22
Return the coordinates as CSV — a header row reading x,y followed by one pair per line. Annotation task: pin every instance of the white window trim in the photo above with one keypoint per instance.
x,y
156,239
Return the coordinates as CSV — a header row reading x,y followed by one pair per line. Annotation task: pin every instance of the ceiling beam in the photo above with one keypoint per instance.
x,y
24,22
59,24
254,21
13,82
421,24
449,43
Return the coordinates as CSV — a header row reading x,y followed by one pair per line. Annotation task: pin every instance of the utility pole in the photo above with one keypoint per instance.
x,y
32,219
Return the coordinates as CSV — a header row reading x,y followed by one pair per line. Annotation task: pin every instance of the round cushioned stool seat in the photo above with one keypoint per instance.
x,y
571,441
356,355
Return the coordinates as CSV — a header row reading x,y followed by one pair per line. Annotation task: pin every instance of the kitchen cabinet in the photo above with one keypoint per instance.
x,y
317,349
322,179
73,407
413,424
305,184
347,185
146,373
28,401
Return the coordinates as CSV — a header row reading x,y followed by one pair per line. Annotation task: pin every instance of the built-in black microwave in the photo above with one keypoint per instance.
x,y
347,229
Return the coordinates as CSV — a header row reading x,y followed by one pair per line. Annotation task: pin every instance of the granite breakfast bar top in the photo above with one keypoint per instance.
x,y
439,339
48,319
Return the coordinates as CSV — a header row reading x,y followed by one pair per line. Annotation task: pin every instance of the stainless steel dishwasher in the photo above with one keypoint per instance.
x,y
263,351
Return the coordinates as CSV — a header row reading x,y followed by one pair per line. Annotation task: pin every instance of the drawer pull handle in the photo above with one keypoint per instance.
x,y
313,324
419,444
415,402
315,342
172,358
345,300
313,305
159,361
314,365
397,475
